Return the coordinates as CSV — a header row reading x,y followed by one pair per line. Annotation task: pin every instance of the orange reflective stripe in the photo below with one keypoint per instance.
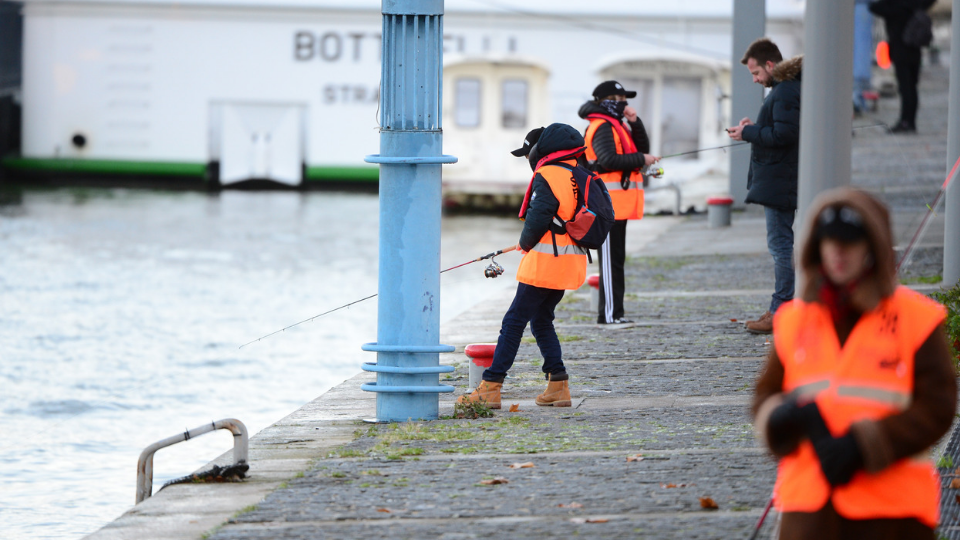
x,y
572,249
899,400
809,390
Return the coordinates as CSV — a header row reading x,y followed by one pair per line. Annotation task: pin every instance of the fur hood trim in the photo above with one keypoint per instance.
x,y
788,70
876,284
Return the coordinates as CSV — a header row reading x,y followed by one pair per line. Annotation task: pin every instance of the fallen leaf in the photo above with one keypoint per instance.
x,y
527,465
515,407
638,457
958,499
667,486
955,483
733,320
386,510
708,503
571,505
957,471
597,520
495,481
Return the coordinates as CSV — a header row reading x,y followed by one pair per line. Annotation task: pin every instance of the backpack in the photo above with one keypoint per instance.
x,y
593,216
919,30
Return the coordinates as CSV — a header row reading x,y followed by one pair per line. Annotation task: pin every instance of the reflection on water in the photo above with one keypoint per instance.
x,y
121,313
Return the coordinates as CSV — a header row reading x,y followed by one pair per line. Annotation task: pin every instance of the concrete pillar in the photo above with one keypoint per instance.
x,y
826,112
408,321
749,24
951,236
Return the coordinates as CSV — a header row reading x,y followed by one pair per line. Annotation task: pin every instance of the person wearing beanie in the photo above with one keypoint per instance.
x,y
857,387
551,264
617,150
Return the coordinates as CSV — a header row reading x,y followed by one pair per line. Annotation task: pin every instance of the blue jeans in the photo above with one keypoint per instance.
x,y
780,244
534,305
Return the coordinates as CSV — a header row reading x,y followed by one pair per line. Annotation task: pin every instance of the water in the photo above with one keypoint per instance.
x,y
121,313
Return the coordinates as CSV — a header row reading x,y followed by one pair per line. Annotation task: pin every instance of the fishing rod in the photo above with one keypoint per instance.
x,y
756,530
704,150
743,143
931,209
491,271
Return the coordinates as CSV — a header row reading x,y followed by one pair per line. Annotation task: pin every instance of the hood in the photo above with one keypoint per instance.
x,y
881,281
555,138
591,107
788,70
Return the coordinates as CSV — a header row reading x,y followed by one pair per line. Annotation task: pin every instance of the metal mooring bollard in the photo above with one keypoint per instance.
x,y
241,443
718,211
593,280
481,357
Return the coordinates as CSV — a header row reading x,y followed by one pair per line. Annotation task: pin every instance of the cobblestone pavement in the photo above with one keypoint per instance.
x,y
673,389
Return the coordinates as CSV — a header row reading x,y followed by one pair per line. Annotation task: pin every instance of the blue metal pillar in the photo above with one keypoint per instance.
x,y
408,322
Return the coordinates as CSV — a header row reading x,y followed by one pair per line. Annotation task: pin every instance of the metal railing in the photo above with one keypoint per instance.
x,y
241,443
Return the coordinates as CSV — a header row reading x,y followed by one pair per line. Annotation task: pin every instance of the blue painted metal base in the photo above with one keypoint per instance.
x,y
407,391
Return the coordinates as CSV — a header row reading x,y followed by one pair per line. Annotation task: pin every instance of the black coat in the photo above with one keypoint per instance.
x,y
606,148
775,142
895,14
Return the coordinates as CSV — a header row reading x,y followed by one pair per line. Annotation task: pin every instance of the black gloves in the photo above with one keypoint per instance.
x,y
839,458
791,421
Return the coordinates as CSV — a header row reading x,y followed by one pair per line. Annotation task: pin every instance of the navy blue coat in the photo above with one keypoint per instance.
x,y
775,142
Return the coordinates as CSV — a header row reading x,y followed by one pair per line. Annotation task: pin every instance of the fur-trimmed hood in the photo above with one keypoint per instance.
x,y
881,280
788,70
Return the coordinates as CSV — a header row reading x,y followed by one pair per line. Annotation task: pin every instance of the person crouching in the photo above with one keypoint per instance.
x,y
551,264
857,387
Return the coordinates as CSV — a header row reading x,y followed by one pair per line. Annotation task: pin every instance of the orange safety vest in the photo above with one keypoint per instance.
x,y
567,269
627,203
871,377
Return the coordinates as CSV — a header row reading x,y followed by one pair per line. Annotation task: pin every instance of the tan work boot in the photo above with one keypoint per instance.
x,y
487,392
557,393
762,326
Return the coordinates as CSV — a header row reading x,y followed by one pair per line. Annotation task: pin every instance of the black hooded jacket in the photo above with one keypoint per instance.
x,y
775,141
606,148
543,203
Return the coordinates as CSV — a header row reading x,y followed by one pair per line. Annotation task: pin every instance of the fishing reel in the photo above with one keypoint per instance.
x,y
654,172
493,269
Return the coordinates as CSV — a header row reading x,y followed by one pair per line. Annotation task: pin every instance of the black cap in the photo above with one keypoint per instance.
x,y
528,142
841,223
612,88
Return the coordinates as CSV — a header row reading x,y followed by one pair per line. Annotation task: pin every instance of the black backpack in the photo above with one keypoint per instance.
x,y
593,216
919,30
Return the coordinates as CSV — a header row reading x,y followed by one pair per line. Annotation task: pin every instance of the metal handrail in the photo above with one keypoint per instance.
x,y
241,443
673,187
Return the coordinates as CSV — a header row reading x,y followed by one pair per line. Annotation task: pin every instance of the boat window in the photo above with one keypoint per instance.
x,y
514,103
467,103
681,115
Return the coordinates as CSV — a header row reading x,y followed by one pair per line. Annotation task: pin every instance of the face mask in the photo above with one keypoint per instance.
x,y
615,108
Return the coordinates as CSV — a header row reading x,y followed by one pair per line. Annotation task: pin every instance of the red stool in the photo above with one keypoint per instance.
x,y
481,357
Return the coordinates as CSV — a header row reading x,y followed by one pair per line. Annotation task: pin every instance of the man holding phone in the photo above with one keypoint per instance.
x,y
774,155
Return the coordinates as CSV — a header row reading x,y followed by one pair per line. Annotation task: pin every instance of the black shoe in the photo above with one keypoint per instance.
x,y
903,127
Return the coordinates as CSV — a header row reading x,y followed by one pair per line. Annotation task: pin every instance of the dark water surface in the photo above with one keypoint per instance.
x,y
121,314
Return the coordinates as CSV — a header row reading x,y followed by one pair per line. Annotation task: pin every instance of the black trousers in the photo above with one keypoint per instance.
x,y
908,76
611,257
